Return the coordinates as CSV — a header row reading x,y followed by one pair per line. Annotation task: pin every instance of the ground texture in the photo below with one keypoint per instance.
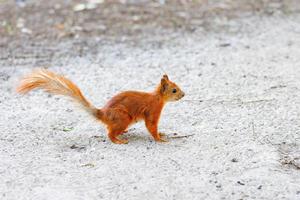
x,y
241,112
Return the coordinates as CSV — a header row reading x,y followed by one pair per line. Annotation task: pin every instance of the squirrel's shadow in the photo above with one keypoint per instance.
x,y
132,137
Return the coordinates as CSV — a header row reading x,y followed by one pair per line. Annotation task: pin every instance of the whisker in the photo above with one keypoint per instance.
x,y
199,100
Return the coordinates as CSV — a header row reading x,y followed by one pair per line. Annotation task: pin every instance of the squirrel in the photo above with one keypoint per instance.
x,y
120,111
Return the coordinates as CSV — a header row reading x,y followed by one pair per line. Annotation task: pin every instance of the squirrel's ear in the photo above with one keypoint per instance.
x,y
165,76
163,85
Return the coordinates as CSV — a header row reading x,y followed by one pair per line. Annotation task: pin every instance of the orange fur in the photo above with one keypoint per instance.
x,y
120,111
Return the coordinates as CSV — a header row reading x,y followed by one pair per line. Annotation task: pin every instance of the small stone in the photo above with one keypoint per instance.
x,y
259,187
225,45
240,183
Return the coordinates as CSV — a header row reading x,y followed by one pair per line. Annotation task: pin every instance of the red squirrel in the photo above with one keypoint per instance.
x,y
120,111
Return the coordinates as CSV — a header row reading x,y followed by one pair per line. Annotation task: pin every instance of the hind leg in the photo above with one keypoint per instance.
x,y
113,136
119,120
114,132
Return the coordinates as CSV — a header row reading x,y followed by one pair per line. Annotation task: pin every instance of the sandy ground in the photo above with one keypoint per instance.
x,y
241,108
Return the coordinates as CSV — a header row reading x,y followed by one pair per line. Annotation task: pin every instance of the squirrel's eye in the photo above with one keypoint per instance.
x,y
174,90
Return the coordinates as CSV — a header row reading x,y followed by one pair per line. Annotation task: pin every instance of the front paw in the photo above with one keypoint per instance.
x,y
161,140
162,134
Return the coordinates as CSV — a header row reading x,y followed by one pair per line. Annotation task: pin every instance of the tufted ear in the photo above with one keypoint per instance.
x,y
164,84
165,76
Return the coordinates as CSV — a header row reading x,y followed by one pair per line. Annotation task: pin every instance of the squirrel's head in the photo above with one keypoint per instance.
x,y
169,90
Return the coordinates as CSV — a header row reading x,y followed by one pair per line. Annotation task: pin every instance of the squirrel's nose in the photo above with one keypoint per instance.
x,y
183,94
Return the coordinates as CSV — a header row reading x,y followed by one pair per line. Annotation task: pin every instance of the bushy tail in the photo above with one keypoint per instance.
x,y
55,84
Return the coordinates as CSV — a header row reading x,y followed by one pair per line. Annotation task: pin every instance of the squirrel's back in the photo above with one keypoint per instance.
x,y
135,103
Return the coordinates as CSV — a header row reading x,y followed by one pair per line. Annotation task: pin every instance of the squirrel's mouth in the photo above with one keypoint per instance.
x,y
180,97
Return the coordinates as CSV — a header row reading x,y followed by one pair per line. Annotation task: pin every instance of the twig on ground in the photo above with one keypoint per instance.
x,y
193,101
236,101
181,136
257,101
278,86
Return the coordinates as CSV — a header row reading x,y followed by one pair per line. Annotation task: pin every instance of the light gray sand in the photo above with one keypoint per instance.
x,y
248,118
